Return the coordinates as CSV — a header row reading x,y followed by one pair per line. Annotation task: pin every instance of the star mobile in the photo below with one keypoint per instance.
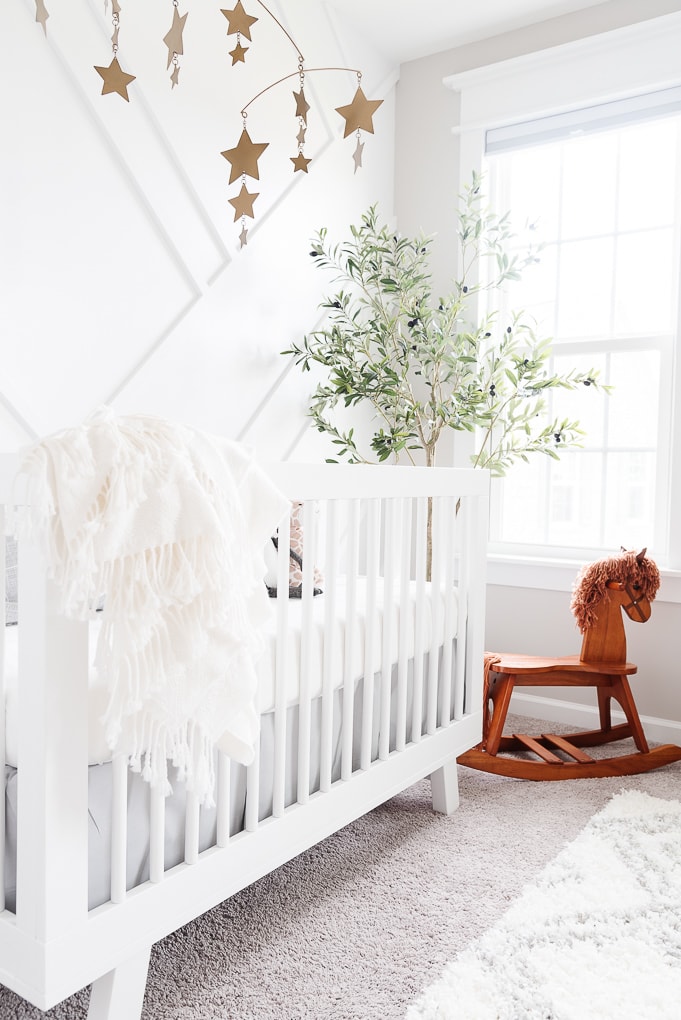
x,y
243,157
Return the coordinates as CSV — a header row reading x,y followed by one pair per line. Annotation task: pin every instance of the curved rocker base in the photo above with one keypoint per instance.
x,y
556,768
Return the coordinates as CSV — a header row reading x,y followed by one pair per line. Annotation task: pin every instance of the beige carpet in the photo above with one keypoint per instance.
x,y
357,927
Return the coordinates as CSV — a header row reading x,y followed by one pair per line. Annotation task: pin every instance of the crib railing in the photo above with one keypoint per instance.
x,y
417,706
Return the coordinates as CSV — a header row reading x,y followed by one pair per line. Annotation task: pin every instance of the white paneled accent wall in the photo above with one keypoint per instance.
x,y
122,280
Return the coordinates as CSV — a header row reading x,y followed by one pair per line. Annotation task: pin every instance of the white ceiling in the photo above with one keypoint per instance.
x,y
407,29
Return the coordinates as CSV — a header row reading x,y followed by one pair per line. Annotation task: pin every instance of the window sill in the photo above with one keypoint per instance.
x,y
559,575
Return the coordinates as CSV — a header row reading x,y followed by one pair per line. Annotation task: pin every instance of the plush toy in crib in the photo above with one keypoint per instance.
x,y
296,549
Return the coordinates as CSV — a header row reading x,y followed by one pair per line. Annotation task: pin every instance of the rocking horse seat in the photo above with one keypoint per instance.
x,y
601,665
535,665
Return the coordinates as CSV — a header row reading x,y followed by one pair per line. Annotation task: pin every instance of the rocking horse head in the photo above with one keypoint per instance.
x,y
629,582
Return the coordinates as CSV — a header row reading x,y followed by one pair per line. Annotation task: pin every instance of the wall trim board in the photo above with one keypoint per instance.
x,y
155,345
17,416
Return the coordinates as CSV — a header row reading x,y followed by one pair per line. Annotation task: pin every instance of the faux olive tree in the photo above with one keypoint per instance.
x,y
427,365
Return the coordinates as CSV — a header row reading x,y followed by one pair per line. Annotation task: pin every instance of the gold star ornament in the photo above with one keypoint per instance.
x,y
243,203
115,79
239,21
359,113
300,162
238,54
41,14
173,38
244,157
357,155
302,105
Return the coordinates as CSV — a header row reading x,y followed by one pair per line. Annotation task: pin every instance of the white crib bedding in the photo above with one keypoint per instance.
x,y
341,637
137,863
99,781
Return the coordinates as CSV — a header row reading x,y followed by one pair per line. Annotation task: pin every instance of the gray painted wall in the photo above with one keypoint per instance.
x,y
532,620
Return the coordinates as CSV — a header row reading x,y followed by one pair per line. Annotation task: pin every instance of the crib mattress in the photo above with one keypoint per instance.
x,y
344,634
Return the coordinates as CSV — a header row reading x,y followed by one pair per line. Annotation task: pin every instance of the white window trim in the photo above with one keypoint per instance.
x,y
597,69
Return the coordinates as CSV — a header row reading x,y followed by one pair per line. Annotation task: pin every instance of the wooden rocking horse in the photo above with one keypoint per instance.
x,y
626,582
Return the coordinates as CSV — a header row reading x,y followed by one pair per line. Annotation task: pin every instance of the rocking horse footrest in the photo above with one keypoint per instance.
x,y
532,744
538,746
568,747
586,738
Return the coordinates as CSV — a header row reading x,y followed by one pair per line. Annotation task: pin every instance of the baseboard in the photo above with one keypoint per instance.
x,y
664,731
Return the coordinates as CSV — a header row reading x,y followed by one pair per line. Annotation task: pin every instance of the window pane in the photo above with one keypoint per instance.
x,y
588,192
586,404
535,292
629,500
648,176
632,406
575,503
534,191
585,288
523,514
645,284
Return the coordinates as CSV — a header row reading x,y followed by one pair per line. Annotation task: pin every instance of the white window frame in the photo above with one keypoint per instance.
x,y
595,70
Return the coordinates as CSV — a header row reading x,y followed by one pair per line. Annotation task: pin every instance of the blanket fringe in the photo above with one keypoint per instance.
x,y
142,522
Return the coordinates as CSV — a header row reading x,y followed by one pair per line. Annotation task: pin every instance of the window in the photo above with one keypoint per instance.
x,y
600,187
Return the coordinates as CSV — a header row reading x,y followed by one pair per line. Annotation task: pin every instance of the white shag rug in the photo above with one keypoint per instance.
x,y
597,935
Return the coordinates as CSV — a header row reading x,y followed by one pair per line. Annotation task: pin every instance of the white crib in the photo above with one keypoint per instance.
x,y
379,686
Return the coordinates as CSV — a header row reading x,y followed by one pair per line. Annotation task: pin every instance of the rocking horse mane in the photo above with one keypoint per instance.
x,y
590,586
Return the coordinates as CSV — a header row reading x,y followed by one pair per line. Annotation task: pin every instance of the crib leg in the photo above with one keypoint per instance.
x,y
119,994
444,785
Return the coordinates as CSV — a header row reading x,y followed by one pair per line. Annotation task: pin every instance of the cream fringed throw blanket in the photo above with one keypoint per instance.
x,y
167,526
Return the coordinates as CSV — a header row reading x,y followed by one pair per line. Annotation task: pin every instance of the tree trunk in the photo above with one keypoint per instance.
x,y
430,462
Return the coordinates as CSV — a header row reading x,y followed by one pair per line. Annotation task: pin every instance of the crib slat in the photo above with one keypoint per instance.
x,y
119,826
281,669
224,799
405,613
349,649
370,635
447,557
157,815
252,795
460,661
436,619
329,653
472,600
386,652
192,816
304,703
472,532
419,613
